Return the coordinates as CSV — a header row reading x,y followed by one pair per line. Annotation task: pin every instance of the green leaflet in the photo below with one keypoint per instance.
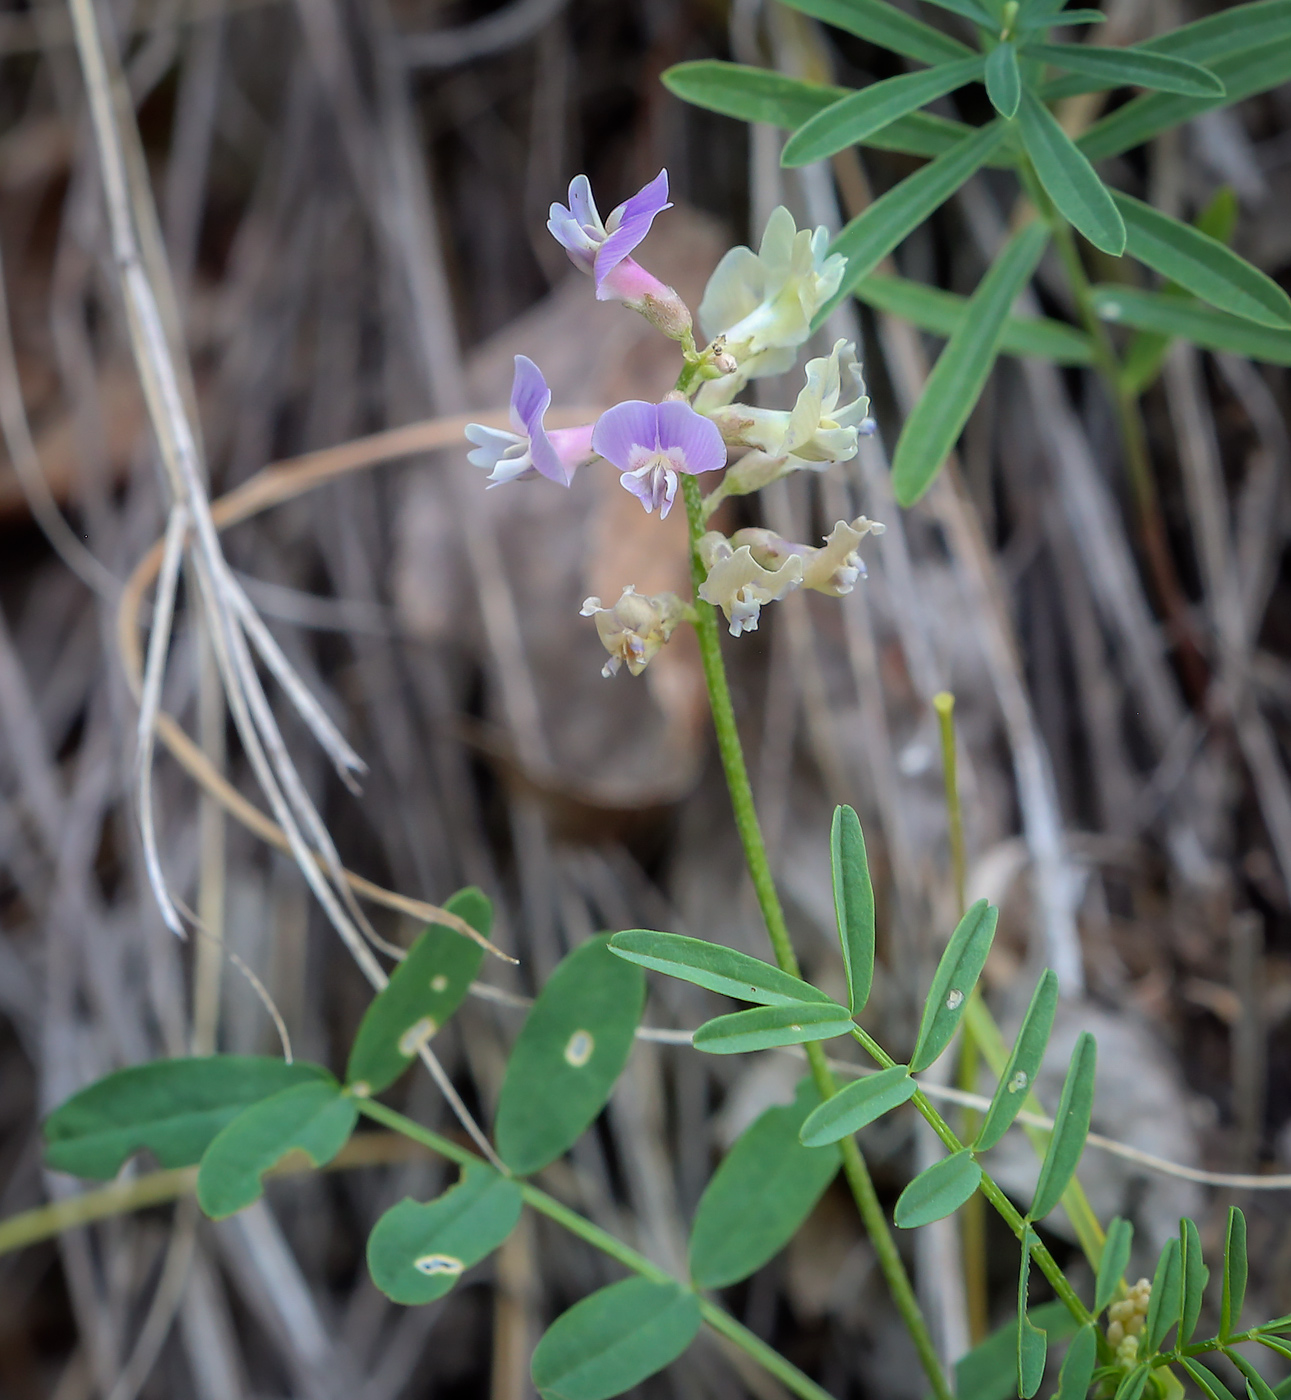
x,y
315,1118
873,234
711,965
572,1047
1130,67
613,1339
938,1191
1078,1365
1132,1387
1113,1262
942,313
417,1251
1256,1385
885,25
862,1101
1234,1288
423,992
1204,326
1003,80
1166,1303
1068,178
855,117
1202,265
962,368
761,1193
1024,1063
853,904
990,1370
952,984
171,1107
1071,1127
1033,1343
1207,1381
1195,1278
969,10
765,1027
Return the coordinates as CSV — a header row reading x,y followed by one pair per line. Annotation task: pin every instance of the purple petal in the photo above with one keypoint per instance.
x,y
633,423
632,222
581,204
530,395
697,437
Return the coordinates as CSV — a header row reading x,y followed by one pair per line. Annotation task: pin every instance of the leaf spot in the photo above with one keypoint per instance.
x,y
1018,1082
439,983
795,1028
955,1000
438,1264
360,1089
1111,311
579,1050
417,1035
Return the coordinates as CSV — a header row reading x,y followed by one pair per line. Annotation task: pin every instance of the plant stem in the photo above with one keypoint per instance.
x,y
759,867
717,1318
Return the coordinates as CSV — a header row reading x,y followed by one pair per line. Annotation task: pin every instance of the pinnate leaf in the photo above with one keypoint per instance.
x,y
761,1193
953,982
173,1108
1069,179
766,1027
857,1104
570,1050
853,904
1071,1127
938,1190
613,1339
417,1251
1234,1289
1023,1064
711,965
1003,80
315,1118
1113,1262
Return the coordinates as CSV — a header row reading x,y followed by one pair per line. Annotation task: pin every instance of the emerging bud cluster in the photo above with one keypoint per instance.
x,y
1125,1322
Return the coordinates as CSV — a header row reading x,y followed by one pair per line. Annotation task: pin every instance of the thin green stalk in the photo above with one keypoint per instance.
x,y
759,867
717,1318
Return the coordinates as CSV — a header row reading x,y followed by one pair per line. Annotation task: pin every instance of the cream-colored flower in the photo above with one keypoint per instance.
x,y
739,585
634,629
831,569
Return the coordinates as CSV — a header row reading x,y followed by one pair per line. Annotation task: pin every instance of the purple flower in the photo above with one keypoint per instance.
x,y
531,450
651,442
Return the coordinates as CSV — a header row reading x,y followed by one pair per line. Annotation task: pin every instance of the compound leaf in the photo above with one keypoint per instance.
x,y
1112,1262
1234,1288
572,1047
711,965
1069,179
1023,1065
1003,80
938,1190
853,904
952,984
766,1027
861,1102
1071,1127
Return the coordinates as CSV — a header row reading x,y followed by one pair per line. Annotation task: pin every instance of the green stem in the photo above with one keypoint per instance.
x,y
759,867
717,1318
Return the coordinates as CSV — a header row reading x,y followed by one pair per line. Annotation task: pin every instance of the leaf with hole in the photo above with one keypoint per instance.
x,y
942,313
1195,1277
711,965
1071,1127
1068,178
1189,320
1234,1286
762,1191
1033,1343
1078,1365
953,982
855,117
423,992
1003,80
1206,1380
957,379
853,904
1113,1262
315,1119
613,1339
418,1250
857,1104
171,1108
1166,1303
1131,67
767,1027
938,1191
873,234
570,1050
890,28
1023,1064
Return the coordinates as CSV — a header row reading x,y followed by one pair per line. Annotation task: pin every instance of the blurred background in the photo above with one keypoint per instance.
x,y
351,198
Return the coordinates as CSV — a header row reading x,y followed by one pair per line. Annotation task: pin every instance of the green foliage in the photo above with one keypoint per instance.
x,y
423,992
1206,1380
1195,1278
172,1108
1004,80
885,25
1078,1365
711,965
766,1027
570,1050
1071,1127
1188,320
315,1119
1134,67
1166,1304
1023,1064
1033,1342
853,904
961,371
763,1190
863,1101
1134,1384
952,984
417,1251
1234,1286
990,1370
938,1190
1256,1385
1113,1262
613,1339
1068,178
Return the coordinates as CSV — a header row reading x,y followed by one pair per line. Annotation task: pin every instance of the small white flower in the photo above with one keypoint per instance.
x,y
739,585
634,629
831,569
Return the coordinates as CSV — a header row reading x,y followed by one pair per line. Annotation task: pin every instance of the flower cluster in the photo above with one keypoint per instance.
x,y
758,310
1125,1322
